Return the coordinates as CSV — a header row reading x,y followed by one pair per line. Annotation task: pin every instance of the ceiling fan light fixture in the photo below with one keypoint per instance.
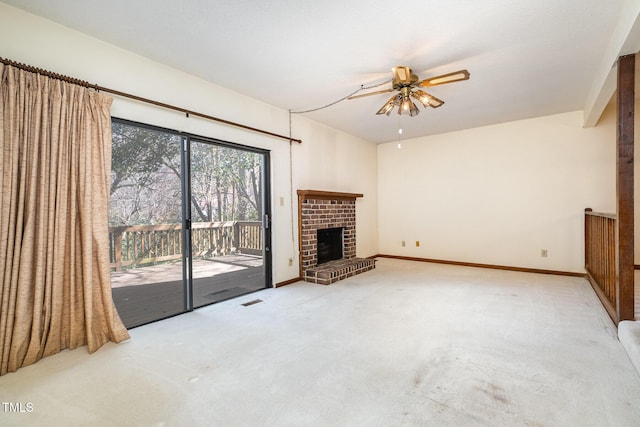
x,y
427,99
408,107
388,106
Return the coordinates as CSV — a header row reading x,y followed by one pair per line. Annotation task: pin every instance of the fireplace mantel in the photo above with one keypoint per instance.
x,y
327,195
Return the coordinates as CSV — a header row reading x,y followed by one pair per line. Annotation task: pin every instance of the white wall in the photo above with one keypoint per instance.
x,y
326,160
498,194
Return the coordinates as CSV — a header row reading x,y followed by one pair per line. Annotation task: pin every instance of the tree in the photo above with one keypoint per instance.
x,y
225,184
138,153
146,179
145,176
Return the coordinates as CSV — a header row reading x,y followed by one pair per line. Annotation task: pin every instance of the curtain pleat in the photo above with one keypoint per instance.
x,y
55,162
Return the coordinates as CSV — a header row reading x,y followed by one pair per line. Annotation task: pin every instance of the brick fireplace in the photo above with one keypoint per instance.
x,y
322,210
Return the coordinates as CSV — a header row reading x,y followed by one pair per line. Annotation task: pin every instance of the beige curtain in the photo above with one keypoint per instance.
x,y
55,161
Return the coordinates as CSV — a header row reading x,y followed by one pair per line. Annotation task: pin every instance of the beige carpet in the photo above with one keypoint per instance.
x,y
407,344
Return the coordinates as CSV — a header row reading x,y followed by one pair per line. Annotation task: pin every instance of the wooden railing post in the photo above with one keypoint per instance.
x,y
624,186
236,236
587,237
117,248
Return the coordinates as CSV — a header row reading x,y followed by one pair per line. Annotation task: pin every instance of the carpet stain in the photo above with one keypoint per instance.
x,y
419,376
494,392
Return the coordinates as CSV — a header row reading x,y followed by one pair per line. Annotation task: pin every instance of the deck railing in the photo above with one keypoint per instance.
x,y
600,257
150,244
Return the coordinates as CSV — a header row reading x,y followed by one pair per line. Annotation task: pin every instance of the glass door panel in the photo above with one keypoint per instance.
x,y
226,210
145,223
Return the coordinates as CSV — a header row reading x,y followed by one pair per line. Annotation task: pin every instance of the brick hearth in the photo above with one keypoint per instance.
x,y
332,271
318,210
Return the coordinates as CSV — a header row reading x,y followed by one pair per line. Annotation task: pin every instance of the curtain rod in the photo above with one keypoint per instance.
x,y
141,99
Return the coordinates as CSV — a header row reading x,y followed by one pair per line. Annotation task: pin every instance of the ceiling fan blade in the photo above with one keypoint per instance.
x,y
402,74
456,76
377,92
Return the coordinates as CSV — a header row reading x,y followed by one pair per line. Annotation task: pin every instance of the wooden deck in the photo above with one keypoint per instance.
x,y
145,294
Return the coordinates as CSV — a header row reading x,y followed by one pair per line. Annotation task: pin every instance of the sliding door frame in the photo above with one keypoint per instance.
x,y
185,164
266,208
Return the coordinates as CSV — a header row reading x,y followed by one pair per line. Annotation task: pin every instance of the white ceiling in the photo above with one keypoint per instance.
x,y
527,58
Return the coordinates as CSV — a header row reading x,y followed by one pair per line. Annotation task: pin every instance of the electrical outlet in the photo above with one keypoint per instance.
x,y
290,262
544,253
417,243
404,243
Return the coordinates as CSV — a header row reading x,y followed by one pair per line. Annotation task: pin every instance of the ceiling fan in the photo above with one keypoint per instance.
x,y
404,81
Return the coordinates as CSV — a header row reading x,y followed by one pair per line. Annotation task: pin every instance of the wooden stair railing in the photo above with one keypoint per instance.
x,y
602,264
600,257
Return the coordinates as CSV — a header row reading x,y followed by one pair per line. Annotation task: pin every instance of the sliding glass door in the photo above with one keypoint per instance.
x,y
227,213
188,222
145,223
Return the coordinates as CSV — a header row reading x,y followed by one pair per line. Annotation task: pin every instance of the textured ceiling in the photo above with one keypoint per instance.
x,y
526,58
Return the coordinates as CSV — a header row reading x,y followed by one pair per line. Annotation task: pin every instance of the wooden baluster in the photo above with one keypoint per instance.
x,y
117,247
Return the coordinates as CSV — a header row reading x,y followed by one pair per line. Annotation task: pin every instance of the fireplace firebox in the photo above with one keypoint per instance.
x,y
330,244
